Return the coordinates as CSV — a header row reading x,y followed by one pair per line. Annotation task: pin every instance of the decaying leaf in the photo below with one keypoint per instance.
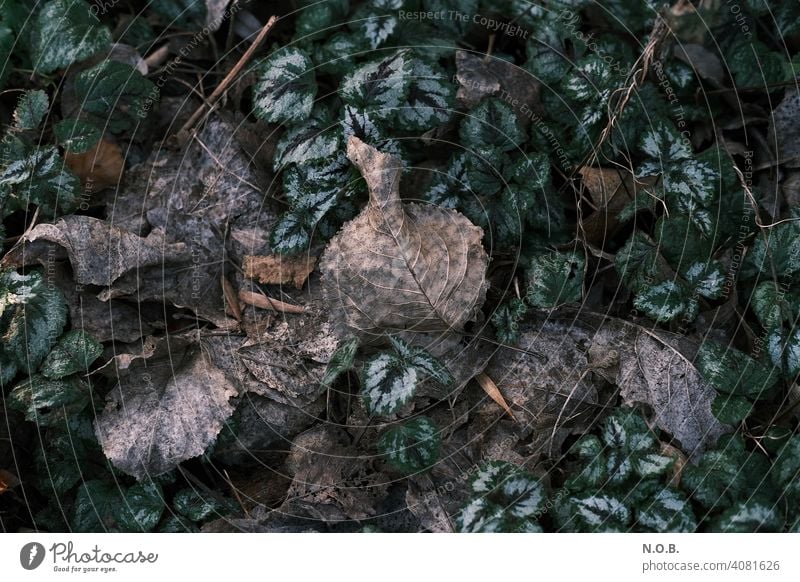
x,y
611,190
493,392
263,302
166,409
99,167
479,77
402,267
279,270
7,481
784,129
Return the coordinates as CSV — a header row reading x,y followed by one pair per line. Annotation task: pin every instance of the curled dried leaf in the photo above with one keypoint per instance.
x,y
278,269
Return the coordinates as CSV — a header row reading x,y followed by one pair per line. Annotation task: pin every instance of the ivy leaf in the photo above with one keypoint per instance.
x,y
749,516
196,507
430,98
733,372
423,361
666,301
76,135
492,124
115,95
507,319
48,402
31,110
64,32
505,498
341,361
668,511
555,279
32,316
73,353
141,507
39,178
388,383
285,86
731,409
379,87
413,446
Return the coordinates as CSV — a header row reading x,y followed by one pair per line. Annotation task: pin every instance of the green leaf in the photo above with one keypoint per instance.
x,y
141,508
40,178
376,21
338,55
626,430
68,448
681,242
74,352
555,279
668,511
450,187
177,524
285,86
775,250
64,32
430,100
32,316
492,124
310,141
707,279
360,124
115,96
666,301
419,358
731,371
749,516
182,14
196,507
650,465
663,142
591,86
504,499
596,512
341,361
731,409
388,383
76,135
720,478
48,402
291,234
593,474
786,471
316,17
412,446
379,87
31,110
639,263
507,319
95,506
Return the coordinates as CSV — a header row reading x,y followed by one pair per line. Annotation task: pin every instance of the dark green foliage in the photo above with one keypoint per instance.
x,y
412,446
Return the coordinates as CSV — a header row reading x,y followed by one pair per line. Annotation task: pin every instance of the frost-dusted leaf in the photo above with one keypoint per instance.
x,y
48,402
341,361
165,412
379,87
423,361
196,507
32,316
310,141
388,383
749,516
31,110
733,372
692,179
639,263
492,124
651,465
285,86
504,498
555,279
451,185
401,266
39,177
666,301
663,142
731,409
707,279
625,429
412,446
77,135
74,352
141,507
507,319
64,32
291,235
430,98
776,248
597,512
115,95
668,511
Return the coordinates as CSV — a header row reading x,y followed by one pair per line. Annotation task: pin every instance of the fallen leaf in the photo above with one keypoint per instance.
x,y
784,131
100,167
706,63
231,301
166,409
396,266
493,392
7,481
479,77
611,190
279,270
264,302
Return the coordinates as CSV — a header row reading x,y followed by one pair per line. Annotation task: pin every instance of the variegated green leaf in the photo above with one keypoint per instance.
x,y
388,383
668,511
379,87
74,352
341,361
285,86
492,124
412,446
555,279
31,110
77,135
749,516
733,372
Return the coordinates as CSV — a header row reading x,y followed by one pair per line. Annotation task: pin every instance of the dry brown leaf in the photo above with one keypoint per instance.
x,y
493,392
479,77
100,167
402,267
706,63
264,302
279,270
7,481
611,190
784,130
231,300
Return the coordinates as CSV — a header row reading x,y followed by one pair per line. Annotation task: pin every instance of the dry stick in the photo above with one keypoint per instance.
x,y
183,135
264,302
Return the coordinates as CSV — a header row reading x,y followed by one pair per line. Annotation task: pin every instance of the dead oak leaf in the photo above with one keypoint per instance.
x,y
396,266
100,167
279,270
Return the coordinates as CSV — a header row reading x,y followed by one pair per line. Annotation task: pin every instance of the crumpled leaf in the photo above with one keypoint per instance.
x,y
402,266
279,270
98,167
783,129
164,412
479,77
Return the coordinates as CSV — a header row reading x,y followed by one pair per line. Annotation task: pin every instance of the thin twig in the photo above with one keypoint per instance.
x,y
264,302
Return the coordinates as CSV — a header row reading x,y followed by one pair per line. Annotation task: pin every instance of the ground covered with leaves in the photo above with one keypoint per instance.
x,y
399,265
